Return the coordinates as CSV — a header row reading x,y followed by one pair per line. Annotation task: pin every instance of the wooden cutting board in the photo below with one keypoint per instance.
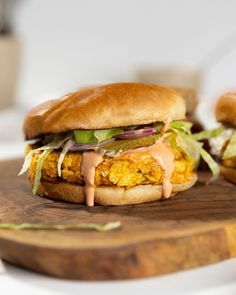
x,y
195,228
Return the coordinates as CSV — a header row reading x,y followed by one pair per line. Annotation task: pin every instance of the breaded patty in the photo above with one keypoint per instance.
x,y
125,171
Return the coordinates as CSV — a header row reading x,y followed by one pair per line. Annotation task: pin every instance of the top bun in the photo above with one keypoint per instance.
x,y
226,109
105,106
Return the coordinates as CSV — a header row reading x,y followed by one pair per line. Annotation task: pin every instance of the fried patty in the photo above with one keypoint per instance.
x,y
124,171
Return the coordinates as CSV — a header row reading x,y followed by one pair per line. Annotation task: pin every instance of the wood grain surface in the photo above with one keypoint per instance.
x,y
195,228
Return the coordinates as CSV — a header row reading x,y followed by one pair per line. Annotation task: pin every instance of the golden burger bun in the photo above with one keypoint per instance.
x,y
109,195
105,106
226,109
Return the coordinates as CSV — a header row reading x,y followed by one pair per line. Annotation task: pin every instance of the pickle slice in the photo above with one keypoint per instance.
x,y
125,144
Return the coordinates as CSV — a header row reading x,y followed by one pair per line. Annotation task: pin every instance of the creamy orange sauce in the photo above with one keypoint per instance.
x,y
166,125
89,163
164,158
159,151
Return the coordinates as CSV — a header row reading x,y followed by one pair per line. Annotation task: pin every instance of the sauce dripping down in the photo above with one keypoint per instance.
x,y
166,125
159,151
89,163
164,158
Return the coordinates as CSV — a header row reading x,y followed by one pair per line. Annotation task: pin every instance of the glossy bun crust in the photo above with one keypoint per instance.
x,y
109,195
105,106
226,109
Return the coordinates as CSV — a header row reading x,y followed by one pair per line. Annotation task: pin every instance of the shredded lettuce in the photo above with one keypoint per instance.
x,y
39,167
207,134
68,145
179,135
56,143
48,138
94,136
27,162
230,150
194,151
182,125
178,140
214,167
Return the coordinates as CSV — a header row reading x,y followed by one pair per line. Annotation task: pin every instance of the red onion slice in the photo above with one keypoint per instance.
x,y
137,133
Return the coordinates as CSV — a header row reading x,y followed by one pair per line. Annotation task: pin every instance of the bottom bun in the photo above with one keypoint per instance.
x,y
229,173
109,195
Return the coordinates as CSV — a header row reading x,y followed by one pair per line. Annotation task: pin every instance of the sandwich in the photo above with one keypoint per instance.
x,y
224,144
115,144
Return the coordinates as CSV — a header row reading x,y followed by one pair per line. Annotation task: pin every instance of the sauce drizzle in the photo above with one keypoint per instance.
x,y
166,125
89,163
159,151
164,158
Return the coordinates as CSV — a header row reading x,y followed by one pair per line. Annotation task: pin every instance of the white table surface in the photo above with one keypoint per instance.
x,y
217,279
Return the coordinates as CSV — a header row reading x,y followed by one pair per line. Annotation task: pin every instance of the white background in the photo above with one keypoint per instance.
x,y
68,43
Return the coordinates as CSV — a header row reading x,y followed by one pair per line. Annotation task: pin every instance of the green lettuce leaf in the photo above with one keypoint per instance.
x,y
182,125
107,133
230,150
94,136
79,226
214,167
85,136
207,134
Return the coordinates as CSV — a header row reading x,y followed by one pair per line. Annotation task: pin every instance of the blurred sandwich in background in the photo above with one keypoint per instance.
x,y
192,100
